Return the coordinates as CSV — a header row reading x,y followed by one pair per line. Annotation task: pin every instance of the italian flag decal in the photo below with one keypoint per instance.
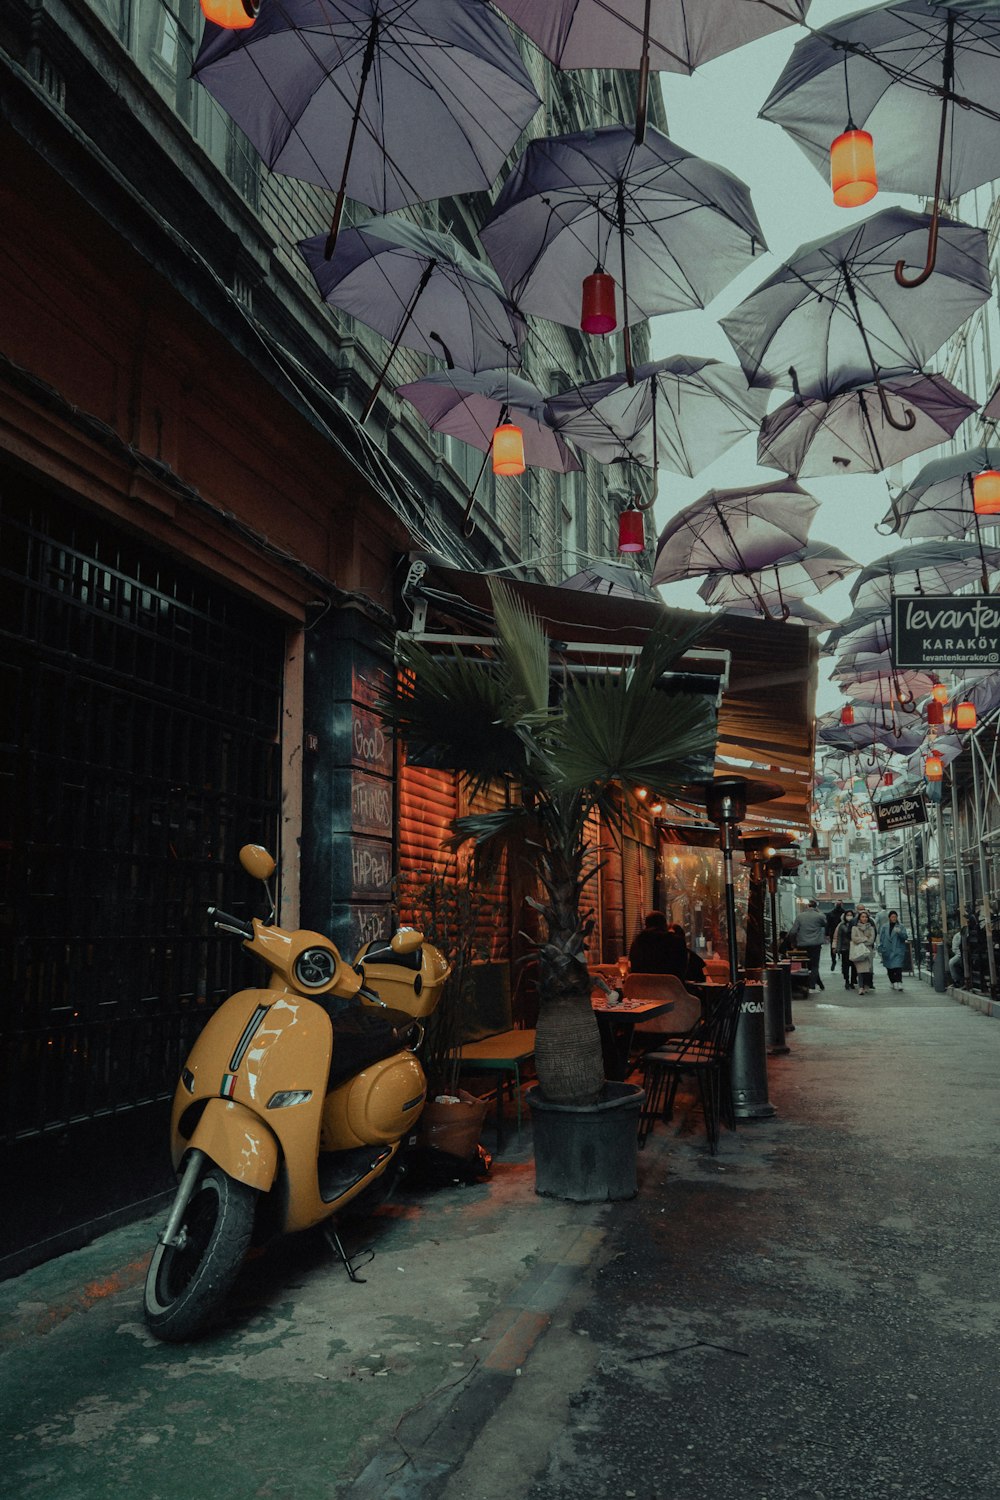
x,y
228,1088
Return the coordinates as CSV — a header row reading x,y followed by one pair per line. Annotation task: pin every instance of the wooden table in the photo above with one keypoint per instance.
x,y
617,1024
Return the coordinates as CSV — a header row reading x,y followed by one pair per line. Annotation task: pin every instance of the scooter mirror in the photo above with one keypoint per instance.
x,y
406,940
257,862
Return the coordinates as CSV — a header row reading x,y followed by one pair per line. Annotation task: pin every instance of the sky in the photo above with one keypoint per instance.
x,y
714,114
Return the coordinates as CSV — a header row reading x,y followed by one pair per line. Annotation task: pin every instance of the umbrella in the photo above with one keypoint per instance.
x,y
669,36
471,407
390,101
677,228
834,313
861,621
887,686
796,611
920,80
737,530
681,412
419,289
848,433
938,500
924,568
611,578
808,570
872,726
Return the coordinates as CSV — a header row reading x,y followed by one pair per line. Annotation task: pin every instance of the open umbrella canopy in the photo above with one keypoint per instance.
x,y
873,725
884,69
795,611
680,413
681,34
419,289
737,530
807,570
834,313
937,502
859,624
470,407
924,568
615,579
672,229
887,687
390,101
849,432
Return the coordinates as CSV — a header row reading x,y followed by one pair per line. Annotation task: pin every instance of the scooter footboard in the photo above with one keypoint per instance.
x,y
237,1141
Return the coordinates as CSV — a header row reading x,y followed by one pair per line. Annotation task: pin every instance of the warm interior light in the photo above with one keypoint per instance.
x,y
852,169
965,716
642,793
939,693
598,313
935,712
508,449
986,493
847,715
631,532
235,15
934,767
656,808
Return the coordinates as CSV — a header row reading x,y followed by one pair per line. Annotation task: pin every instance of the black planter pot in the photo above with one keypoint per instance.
x,y
587,1152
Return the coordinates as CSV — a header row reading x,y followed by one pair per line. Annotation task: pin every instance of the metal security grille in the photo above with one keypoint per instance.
x,y
139,715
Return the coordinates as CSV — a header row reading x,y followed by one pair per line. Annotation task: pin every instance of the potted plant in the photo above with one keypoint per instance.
x,y
571,743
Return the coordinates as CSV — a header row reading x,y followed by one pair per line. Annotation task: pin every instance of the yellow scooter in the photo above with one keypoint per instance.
x,y
293,1100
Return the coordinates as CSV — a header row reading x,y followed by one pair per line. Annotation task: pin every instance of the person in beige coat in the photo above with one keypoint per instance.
x,y
863,936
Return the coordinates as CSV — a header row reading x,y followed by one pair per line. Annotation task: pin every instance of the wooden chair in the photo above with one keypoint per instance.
x,y
705,1053
687,1011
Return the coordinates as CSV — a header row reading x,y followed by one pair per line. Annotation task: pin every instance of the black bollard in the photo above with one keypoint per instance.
x,y
774,1011
786,991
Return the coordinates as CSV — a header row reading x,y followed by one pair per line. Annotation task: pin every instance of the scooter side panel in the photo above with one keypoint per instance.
x,y
238,1142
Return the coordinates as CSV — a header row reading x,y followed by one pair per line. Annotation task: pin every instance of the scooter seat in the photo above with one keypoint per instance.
x,y
365,1034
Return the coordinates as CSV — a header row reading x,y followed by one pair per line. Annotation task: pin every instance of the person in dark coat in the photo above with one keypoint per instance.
x,y
833,920
657,950
695,971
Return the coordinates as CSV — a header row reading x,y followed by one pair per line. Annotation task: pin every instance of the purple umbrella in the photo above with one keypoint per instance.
x,y
924,568
471,407
835,313
673,229
390,101
808,570
681,412
793,612
669,36
848,433
419,289
872,726
611,578
736,530
937,502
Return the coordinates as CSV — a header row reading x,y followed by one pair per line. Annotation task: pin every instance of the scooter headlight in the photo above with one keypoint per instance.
x,y
314,968
289,1097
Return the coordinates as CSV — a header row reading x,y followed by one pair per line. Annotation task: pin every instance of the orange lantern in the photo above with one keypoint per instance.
x,y
939,693
934,767
508,449
852,168
235,15
935,713
847,715
986,493
598,314
631,532
965,716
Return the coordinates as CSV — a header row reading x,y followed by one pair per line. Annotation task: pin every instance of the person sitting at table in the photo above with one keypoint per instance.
x,y
658,950
694,973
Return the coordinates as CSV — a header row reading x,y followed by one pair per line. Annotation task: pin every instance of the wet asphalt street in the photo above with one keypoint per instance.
x,y
811,1315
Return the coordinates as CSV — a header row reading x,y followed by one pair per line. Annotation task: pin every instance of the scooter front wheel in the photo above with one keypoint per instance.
x,y
187,1281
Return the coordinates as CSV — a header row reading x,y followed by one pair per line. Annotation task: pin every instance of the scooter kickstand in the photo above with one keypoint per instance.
x,y
334,1241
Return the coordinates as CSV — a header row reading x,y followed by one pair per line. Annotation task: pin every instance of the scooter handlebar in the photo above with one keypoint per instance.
x,y
226,923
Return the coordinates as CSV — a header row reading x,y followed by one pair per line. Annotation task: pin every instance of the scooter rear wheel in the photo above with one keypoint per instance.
x,y
187,1283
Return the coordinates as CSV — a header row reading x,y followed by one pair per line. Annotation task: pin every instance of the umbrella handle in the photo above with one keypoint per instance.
x,y
901,278
642,92
932,239
338,207
909,422
468,524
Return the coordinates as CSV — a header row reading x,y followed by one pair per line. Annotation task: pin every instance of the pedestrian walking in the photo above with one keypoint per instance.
x,y
808,931
892,946
833,921
863,937
842,946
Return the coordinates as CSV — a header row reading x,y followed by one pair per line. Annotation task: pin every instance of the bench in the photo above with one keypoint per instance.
x,y
493,1044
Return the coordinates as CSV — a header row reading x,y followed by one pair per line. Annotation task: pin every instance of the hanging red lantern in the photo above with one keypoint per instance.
x,y
965,716
598,314
986,493
847,715
235,15
852,168
935,713
934,767
508,449
631,531
887,778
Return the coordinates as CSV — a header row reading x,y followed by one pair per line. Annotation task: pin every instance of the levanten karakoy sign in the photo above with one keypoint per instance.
x,y
900,814
946,631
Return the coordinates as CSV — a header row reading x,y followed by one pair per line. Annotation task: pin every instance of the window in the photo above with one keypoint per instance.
x,y
841,884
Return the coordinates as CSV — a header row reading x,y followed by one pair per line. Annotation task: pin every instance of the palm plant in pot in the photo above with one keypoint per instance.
x,y
572,743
